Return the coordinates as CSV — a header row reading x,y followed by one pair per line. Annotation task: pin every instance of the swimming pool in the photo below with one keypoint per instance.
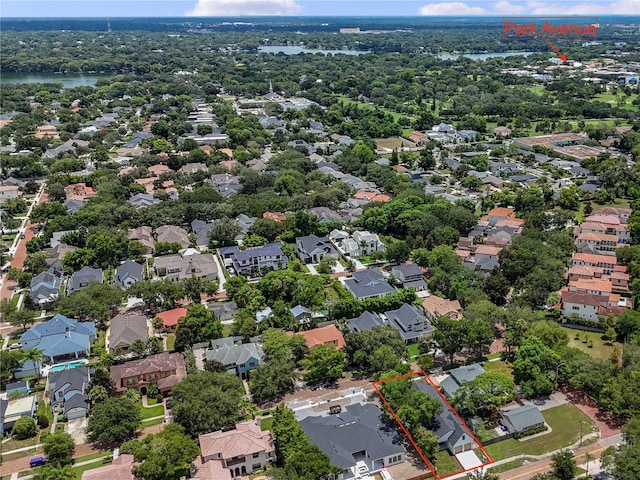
x,y
65,366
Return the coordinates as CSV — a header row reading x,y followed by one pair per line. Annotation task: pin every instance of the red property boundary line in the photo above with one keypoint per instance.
x,y
406,432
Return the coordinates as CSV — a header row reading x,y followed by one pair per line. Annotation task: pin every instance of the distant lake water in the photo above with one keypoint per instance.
x,y
293,50
482,56
68,80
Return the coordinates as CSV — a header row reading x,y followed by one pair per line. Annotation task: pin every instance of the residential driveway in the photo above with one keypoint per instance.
x,y
77,428
543,403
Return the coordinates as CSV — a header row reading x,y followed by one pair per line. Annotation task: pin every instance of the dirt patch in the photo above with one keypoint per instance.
x,y
395,142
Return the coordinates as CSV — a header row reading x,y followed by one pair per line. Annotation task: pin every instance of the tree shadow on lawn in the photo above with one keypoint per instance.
x,y
579,397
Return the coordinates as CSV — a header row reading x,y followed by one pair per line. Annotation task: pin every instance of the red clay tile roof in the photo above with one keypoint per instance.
x,y
170,317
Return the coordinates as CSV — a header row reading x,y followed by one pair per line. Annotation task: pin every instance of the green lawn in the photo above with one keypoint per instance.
x,y
89,466
151,412
498,366
171,341
505,467
92,456
446,464
151,423
537,89
413,350
266,423
612,100
600,349
565,424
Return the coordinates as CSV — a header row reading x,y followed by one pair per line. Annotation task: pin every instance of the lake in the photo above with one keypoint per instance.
x,y
68,80
293,50
483,56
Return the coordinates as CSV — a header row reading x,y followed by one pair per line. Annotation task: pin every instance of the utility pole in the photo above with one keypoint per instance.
x,y
581,432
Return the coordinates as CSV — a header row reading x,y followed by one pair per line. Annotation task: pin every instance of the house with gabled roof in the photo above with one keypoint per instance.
x,y
364,322
119,469
128,273
68,391
253,261
144,235
409,276
170,317
410,322
237,357
124,329
180,267
452,433
225,312
45,287
522,419
457,376
312,249
355,439
143,200
240,451
83,277
368,284
60,338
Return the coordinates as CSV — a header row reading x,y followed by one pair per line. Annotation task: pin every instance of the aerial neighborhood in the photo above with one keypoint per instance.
x,y
312,251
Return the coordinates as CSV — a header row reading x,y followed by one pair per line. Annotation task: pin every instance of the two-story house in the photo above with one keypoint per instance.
x,y
128,274
239,451
312,249
410,322
409,276
180,267
164,369
368,284
237,357
125,329
83,277
253,261
67,391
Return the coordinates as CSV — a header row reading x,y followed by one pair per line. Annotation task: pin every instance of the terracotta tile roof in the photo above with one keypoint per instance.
x,y
487,250
594,258
502,212
163,362
579,298
439,307
275,216
591,284
318,336
597,237
120,469
170,317
158,169
246,439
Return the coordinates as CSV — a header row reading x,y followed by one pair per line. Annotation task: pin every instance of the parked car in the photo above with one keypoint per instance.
x,y
37,461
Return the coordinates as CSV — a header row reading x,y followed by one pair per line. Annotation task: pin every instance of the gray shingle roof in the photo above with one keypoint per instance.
x,y
126,329
366,321
357,428
368,283
236,354
523,417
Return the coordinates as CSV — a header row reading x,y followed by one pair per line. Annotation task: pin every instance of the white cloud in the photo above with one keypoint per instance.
x,y
619,7
506,8
235,8
451,8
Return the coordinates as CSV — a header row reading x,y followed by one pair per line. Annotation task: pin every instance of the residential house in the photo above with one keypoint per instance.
x,y
355,440
363,243
275,216
13,410
453,435
368,284
522,419
606,262
158,169
143,200
200,229
456,377
409,276
8,192
580,303
170,318
119,469
502,131
172,234
164,369
79,191
193,168
128,273
325,214
180,267
500,213
225,312
83,277
253,261
60,338
73,206
312,249
68,391
410,322
226,184
365,322
45,287
304,315
237,357
17,387
338,237
436,307
327,335
240,451
124,329
144,235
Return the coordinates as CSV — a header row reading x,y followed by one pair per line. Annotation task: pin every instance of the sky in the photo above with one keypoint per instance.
x,y
233,8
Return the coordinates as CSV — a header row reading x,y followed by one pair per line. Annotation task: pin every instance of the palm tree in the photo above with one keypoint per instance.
x,y
50,472
36,356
